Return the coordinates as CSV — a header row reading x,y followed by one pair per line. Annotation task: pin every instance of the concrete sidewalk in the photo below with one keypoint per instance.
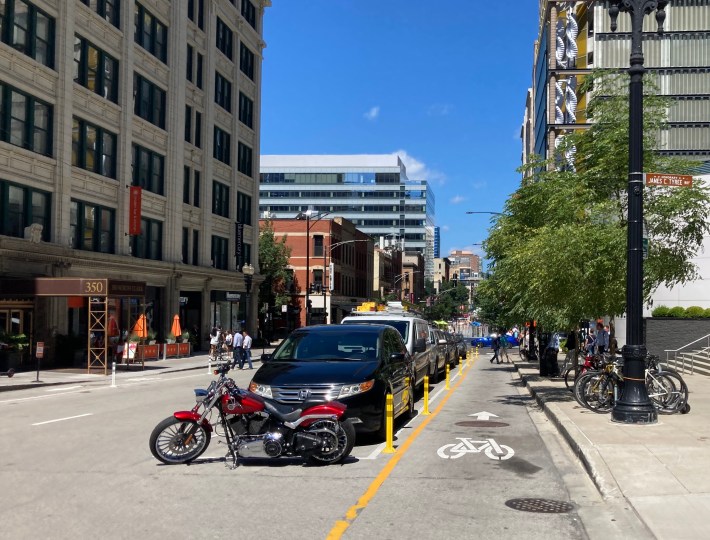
x,y
661,470
53,377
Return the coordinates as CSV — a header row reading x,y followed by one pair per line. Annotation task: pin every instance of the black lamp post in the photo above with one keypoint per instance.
x,y
307,216
634,406
248,271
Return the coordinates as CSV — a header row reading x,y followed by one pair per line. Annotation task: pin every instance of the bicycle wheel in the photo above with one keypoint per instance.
x,y
568,376
598,395
579,387
676,398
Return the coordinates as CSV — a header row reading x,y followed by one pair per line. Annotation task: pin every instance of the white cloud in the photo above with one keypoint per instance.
x,y
418,170
480,185
440,109
457,199
373,113
445,228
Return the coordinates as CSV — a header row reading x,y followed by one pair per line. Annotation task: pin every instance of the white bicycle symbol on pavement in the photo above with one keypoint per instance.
x,y
492,449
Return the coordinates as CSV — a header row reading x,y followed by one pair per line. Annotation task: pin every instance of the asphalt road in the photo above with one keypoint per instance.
x,y
75,464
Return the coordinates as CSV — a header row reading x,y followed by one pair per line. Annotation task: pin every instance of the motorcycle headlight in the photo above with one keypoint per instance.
x,y
263,390
352,389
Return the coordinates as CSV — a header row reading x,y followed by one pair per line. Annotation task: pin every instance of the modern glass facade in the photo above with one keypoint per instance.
x,y
373,192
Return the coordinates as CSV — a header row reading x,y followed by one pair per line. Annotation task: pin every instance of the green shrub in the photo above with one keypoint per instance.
x,y
706,313
694,312
661,311
678,312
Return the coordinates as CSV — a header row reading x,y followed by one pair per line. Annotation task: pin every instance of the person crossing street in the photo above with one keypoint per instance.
x,y
238,355
246,350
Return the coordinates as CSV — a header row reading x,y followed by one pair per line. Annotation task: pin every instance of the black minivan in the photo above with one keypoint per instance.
x,y
357,365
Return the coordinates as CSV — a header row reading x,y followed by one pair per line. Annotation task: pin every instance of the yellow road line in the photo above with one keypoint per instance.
x,y
354,511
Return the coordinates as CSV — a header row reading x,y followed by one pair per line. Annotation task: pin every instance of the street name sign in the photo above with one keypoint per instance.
x,y
668,180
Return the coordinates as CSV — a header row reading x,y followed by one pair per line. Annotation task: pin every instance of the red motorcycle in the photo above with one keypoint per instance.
x,y
253,426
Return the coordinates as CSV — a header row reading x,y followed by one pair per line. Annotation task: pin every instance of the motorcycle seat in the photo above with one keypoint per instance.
x,y
283,412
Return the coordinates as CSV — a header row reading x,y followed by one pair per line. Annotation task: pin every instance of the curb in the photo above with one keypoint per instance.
x,y
580,444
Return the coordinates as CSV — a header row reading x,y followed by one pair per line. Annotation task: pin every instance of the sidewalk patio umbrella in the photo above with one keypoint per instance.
x,y
175,328
141,327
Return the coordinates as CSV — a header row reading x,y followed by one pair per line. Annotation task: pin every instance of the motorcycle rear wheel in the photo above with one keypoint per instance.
x,y
334,449
175,442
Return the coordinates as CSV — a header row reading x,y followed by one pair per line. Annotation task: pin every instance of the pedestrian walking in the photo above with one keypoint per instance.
x,y
214,341
228,341
237,341
496,347
602,340
246,349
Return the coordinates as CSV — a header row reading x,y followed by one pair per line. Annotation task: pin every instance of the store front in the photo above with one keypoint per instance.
x,y
191,317
228,310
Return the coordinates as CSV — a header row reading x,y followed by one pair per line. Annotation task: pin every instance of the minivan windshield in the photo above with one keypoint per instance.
x,y
401,326
314,346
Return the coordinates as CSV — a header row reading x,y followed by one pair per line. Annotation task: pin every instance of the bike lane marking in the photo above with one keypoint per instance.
x,y
62,419
380,447
354,511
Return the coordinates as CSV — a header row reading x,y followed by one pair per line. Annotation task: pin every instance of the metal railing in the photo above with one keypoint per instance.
x,y
704,350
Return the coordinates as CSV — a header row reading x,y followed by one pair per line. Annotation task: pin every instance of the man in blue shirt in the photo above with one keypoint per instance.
x,y
602,341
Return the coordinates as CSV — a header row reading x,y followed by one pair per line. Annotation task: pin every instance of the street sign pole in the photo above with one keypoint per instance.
x,y
39,354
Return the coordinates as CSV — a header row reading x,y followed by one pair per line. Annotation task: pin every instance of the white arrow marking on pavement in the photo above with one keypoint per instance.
x,y
483,415
61,419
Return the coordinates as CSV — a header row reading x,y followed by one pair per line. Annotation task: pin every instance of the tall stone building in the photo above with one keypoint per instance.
x,y
129,144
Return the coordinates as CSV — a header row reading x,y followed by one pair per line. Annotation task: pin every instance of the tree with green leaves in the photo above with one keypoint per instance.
x,y
559,249
273,264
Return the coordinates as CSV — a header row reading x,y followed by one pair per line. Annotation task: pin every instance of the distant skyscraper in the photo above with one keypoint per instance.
x,y
437,242
371,191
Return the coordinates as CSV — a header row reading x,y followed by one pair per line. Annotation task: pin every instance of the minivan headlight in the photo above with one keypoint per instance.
x,y
263,390
353,389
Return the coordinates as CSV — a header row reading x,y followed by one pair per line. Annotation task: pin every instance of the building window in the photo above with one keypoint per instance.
x,y
149,243
220,252
196,12
318,245
186,185
243,208
149,101
249,13
20,207
222,145
220,199
25,121
196,190
185,245
151,34
27,29
244,164
95,70
190,54
246,61
198,75
223,92
225,39
198,129
188,123
92,227
246,110
108,9
196,248
317,281
93,148
148,170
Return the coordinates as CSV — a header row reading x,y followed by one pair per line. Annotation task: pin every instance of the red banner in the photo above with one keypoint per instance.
x,y
134,211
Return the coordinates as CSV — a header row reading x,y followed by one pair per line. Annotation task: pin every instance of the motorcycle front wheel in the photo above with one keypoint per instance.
x,y
338,441
176,441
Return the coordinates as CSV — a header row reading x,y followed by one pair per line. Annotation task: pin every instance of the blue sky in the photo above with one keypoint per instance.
x,y
442,84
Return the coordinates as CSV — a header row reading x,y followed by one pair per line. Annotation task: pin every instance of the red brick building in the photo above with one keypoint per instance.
x,y
319,245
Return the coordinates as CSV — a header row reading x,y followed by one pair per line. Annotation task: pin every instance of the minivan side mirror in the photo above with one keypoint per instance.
x,y
265,357
420,345
397,357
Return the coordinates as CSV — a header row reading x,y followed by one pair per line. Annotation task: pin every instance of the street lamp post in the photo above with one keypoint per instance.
x,y
248,271
634,406
331,274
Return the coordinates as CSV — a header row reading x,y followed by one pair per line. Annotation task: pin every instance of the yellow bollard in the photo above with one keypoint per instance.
x,y
389,420
476,351
460,366
426,412
447,376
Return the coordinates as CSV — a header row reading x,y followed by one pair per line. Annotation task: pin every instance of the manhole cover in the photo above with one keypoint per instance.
x,y
541,506
480,423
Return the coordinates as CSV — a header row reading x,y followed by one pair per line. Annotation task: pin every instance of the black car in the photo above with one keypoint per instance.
x,y
357,365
